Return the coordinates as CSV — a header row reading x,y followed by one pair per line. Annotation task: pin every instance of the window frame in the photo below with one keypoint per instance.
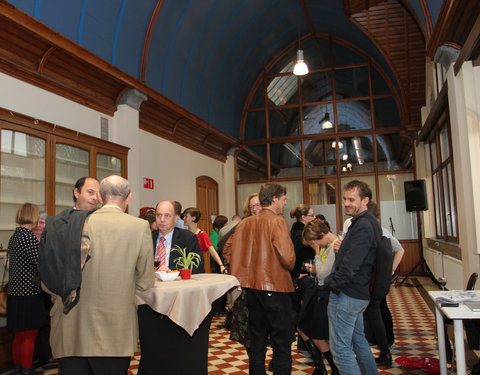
x,y
441,190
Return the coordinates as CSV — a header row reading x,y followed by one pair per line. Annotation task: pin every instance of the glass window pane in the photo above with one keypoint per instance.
x,y
370,180
286,159
71,163
433,152
243,191
108,165
386,113
282,90
453,213
379,86
320,158
283,122
317,87
323,199
447,202
356,154
438,208
294,198
444,146
393,213
22,177
252,163
354,115
318,119
394,152
255,126
352,83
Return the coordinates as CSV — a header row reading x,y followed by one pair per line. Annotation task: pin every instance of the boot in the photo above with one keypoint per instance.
x,y
317,358
28,371
385,358
17,370
328,356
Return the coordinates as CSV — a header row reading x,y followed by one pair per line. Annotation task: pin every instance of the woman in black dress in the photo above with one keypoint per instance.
x,y
25,306
313,320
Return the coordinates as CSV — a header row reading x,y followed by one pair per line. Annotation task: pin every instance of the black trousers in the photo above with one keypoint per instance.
x,y
374,317
270,315
93,365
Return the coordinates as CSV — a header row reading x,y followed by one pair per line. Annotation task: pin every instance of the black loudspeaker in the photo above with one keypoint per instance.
x,y
416,195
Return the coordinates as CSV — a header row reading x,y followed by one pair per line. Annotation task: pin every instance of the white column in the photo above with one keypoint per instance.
x,y
464,105
125,130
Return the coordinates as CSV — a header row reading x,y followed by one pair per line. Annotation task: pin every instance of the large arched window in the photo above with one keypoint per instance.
x,y
342,121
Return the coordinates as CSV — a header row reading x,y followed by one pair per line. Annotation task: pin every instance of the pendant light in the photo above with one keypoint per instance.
x,y
300,67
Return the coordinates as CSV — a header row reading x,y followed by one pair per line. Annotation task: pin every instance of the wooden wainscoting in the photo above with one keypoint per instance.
x,y
410,258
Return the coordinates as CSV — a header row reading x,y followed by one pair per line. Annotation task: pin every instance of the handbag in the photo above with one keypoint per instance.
x,y
3,290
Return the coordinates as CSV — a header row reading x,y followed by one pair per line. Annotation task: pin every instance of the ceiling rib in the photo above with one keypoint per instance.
x,y
148,39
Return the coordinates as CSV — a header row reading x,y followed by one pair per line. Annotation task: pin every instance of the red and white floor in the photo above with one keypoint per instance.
x,y
414,331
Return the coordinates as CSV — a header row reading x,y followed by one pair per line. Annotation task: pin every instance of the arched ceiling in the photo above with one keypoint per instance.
x,y
205,55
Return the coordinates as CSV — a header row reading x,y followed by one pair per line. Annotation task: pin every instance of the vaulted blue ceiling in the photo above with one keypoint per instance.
x,y
206,54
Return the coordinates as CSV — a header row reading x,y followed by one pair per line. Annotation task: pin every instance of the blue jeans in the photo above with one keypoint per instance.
x,y
347,339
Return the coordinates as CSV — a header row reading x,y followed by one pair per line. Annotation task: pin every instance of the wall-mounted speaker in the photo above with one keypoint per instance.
x,y
416,195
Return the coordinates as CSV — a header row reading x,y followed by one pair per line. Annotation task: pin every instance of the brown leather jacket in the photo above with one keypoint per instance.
x,y
262,253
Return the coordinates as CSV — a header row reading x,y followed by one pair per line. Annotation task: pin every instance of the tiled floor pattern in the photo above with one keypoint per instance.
x,y
414,330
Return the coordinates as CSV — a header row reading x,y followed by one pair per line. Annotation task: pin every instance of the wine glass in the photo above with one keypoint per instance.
x,y
442,281
309,267
340,235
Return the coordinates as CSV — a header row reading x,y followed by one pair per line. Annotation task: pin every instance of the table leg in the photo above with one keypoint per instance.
x,y
459,346
441,342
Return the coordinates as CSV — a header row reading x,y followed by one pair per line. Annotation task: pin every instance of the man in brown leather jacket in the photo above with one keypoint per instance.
x,y
262,256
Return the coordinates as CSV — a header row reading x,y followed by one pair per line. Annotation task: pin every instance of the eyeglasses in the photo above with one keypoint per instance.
x,y
254,205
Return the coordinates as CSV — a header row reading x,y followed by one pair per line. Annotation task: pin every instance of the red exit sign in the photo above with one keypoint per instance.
x,y
148,183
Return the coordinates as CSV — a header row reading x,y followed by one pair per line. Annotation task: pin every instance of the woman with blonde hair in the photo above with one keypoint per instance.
x,y
25,306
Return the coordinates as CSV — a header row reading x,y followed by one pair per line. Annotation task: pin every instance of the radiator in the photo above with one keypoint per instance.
x,y
434,261
453,271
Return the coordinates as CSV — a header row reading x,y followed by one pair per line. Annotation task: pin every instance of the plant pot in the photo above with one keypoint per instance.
x,y
186,274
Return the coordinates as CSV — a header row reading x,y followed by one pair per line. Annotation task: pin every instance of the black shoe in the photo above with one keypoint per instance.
x,y
384,359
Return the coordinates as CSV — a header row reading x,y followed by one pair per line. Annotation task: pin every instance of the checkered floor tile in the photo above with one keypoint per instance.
x,y
414,331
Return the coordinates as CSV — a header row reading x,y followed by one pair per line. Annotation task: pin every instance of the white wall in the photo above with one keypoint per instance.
x,y
32,101
173,167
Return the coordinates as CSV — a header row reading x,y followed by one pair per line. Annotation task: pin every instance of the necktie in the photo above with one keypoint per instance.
x,y
160,253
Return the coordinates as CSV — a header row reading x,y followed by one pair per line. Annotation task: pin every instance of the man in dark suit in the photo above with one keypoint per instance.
x,y
167,236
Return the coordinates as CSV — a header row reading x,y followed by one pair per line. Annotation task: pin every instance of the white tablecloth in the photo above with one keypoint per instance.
x,y
187,302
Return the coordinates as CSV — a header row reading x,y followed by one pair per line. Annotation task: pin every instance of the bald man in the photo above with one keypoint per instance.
x,y
99,334
170,236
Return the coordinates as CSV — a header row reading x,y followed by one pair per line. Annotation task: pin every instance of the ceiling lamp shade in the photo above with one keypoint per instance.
x,y
300,68
334,144
327,124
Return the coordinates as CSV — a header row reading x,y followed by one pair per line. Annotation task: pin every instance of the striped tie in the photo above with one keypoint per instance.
x,y
160,253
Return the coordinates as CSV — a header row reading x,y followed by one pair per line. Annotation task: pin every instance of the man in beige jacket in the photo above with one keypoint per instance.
x,y
99,334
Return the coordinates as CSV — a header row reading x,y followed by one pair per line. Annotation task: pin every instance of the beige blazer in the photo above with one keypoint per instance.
x,y
104,322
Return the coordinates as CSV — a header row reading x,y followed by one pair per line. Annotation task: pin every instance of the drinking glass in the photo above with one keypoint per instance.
x,y
442,281
309,267
340,236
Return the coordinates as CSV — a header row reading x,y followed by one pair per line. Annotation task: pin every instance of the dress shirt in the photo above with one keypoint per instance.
x,y
167,244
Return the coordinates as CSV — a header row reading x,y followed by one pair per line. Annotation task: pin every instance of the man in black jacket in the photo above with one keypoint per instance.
x,y
167,236
349,282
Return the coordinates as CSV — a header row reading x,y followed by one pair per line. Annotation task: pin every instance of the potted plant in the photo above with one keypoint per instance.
x,y
185,262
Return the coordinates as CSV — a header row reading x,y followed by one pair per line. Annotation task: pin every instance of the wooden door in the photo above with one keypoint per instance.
x,y
207,203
